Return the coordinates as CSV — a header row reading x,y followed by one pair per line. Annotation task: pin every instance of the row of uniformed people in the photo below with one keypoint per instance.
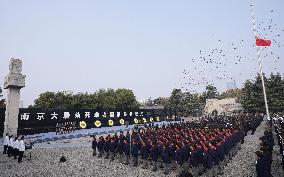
x,y
279,129
14,147
246,122
196,154
214,156
236,122
264,154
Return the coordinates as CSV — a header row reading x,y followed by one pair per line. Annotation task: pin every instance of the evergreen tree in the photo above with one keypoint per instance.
x,y
275,93
252,94
109,99
175,102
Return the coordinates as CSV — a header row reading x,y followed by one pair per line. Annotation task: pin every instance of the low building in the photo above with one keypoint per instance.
x,y
222,106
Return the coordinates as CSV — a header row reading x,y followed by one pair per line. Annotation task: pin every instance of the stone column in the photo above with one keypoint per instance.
x,y
14,81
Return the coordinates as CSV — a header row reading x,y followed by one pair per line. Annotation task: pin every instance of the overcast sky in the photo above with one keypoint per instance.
x,y
82,46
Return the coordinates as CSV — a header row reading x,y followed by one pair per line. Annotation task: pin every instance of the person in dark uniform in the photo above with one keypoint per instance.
x,y
134,153
154,155
115,137
185,150
215,160
177,157
127,136
193,160
126,150
160,148
145,150
120,145
243,134
107,146
200,159
166,157
94,145
113,145
207,162
172,154
221,156
261,165
100,146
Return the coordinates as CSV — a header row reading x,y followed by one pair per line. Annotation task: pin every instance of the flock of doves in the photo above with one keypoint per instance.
x,y
219,61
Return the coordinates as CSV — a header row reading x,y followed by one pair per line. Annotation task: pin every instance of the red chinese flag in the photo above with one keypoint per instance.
x,y
262,42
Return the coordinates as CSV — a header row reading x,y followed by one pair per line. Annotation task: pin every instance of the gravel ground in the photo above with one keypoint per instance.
x,y
243,163
80,162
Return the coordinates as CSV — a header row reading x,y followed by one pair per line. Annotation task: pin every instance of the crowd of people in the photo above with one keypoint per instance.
x,y
14,147
195,147
264,154
65,127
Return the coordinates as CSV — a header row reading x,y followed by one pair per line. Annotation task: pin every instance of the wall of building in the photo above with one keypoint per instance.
x,y
227,105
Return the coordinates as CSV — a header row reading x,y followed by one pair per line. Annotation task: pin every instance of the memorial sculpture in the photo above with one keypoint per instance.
x,y
14,81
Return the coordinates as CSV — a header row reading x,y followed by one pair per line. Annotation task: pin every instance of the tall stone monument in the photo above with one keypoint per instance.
x,y
14,81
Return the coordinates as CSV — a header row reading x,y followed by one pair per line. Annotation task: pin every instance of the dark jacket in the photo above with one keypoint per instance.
x,y
100,145
262,169
178,156
134,150
126,148
94,144
113,146
107,146
154,153
166,155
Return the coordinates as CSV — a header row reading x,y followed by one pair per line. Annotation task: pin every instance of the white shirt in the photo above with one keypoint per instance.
x,y
10,142
17,144
6,140
22,145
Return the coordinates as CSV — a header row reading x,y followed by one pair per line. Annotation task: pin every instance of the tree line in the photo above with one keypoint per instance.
x,y
105,99
186,103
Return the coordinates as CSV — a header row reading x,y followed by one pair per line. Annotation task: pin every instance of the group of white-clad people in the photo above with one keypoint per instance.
x,y
14,146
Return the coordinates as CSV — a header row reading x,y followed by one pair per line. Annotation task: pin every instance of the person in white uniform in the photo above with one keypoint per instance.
x,y
21,149
13,146
16,148
10,146
5,143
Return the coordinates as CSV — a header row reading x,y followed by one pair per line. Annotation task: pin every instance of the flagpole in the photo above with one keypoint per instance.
x,y
259,62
